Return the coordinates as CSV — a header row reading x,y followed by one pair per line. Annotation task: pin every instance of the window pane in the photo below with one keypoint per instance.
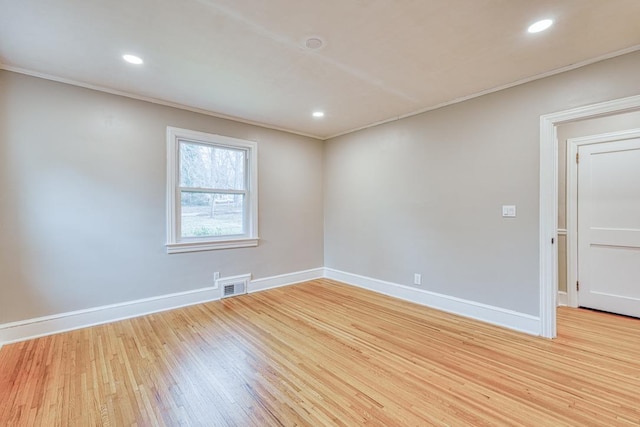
x,y
212,215
208,166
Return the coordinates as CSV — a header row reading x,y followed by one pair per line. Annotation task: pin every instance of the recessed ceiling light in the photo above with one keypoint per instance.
x,y
318,114
540,26
132,59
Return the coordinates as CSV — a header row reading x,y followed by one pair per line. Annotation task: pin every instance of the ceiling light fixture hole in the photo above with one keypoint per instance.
x,y
314,43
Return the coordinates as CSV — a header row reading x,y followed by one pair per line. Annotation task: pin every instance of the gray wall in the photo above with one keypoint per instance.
x,y
82,201
424,194
82,195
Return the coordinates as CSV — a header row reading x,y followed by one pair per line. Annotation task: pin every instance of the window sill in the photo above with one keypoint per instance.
x,y
176,248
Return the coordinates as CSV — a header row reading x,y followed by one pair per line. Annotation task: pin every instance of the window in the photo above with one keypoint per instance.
x,y
212,192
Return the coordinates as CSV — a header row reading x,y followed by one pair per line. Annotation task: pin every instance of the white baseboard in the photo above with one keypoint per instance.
x,y
285,279
495,315
562,298
47,325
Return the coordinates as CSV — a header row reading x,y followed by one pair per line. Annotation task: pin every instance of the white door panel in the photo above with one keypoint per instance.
x,y
615,278
609,226
615,237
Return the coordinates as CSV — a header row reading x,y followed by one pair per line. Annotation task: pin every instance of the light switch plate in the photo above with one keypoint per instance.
x,y
508,211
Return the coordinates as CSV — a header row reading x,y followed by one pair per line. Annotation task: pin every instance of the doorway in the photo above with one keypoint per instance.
x,y
603,220
548,271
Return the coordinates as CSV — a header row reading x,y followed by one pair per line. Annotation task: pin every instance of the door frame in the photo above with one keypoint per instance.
x,y
548,227
573,145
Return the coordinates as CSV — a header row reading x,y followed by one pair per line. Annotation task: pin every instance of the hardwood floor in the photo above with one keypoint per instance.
x,y
323,353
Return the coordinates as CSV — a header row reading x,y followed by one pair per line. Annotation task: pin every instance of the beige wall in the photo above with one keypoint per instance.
x,y
617,122
82,201
424,194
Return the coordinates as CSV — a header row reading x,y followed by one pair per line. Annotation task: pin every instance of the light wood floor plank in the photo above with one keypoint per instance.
x,y
324,353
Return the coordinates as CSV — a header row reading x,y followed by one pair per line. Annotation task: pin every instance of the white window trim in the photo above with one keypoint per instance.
x,y
174,244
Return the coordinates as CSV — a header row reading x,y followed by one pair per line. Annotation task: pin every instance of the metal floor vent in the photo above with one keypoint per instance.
x,y
233,289
232,286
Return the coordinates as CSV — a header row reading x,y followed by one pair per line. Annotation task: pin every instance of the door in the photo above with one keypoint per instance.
x,y
609,226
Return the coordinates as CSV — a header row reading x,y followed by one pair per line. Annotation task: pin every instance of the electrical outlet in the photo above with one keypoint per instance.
x,y
216,276
417,279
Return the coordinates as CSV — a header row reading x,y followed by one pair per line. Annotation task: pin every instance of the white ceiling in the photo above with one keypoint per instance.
x,y
246,58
